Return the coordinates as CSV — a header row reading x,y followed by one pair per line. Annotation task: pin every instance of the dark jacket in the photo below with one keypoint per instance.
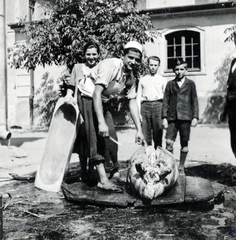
x,y
231,83
180,103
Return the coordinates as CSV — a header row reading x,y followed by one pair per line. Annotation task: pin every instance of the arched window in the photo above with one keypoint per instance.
x,y
184,44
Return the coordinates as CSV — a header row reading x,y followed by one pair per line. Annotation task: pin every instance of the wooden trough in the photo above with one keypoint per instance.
x,y
58,148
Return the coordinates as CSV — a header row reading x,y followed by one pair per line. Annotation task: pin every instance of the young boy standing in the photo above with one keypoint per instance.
x,y
149,99
180,109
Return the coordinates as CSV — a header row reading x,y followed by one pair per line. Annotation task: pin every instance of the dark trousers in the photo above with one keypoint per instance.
x,y
87,140
108,148
89,143
152,122
232,124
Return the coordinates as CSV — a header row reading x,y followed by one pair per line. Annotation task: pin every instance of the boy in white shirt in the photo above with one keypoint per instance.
x,y
149,99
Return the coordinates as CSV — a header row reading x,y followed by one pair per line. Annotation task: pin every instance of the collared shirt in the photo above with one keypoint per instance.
x,y
110,75
181,82
151,88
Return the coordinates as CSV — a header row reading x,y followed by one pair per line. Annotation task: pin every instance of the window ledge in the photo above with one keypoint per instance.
x,y
194,73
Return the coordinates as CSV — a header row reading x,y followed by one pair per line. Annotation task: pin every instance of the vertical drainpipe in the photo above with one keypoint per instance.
x,y
31,97
4,134
5,57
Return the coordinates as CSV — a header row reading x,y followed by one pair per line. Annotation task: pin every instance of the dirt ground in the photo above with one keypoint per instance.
x,y
31,213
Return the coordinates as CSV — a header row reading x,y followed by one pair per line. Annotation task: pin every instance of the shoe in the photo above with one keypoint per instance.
x,y
109,186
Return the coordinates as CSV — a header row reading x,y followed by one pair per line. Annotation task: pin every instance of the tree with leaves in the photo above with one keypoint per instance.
x,y
215,102
69,24
60,36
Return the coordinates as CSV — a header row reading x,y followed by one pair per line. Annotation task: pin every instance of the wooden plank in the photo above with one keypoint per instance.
x,y
81,193
198,190
187,189
174,195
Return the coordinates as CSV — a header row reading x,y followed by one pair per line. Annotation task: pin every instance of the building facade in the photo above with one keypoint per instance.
x,y
192,29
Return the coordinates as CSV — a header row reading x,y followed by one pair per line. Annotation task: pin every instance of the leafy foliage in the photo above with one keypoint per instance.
x,y
231,31
215,101
68,24
46,97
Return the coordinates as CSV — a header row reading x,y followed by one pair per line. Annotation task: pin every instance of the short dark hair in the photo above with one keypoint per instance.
x,y
90,44
177,62
156,58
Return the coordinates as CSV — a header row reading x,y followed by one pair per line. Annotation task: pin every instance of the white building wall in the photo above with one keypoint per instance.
x,y
167,3
18,79
150,4
214,52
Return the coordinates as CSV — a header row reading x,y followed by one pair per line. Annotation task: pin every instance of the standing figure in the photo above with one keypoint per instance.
x,y
150,96
115,78
83,75
230,105
180,109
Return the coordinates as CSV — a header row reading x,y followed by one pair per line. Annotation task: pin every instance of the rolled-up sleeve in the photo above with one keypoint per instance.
x,y
76,74
108,70
105,73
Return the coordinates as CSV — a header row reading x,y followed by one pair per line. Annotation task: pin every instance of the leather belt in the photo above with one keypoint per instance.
x,y
159,100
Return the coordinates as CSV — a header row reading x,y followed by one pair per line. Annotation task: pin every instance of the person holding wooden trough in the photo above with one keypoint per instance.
x,y
115,78
180,109
83,74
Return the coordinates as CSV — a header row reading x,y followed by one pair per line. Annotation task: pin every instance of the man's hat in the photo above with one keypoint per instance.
x,y
134,44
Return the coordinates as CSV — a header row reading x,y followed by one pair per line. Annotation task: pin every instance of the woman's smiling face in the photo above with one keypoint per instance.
x,y
91,57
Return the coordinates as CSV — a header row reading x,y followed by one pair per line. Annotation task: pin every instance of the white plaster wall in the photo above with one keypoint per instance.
x,y
215,49
174,3
167,3
18,107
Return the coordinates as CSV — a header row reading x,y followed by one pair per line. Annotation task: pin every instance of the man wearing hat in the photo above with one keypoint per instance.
x,y
115,79
180,109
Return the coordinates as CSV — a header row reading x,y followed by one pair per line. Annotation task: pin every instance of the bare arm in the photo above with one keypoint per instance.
x,y
139,138
138,99
97,103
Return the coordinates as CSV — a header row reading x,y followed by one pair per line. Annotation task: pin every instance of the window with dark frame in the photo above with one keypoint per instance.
x,y
184,44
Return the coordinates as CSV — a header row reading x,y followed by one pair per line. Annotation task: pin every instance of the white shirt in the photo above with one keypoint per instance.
x,y
181,82
151,88
110,75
